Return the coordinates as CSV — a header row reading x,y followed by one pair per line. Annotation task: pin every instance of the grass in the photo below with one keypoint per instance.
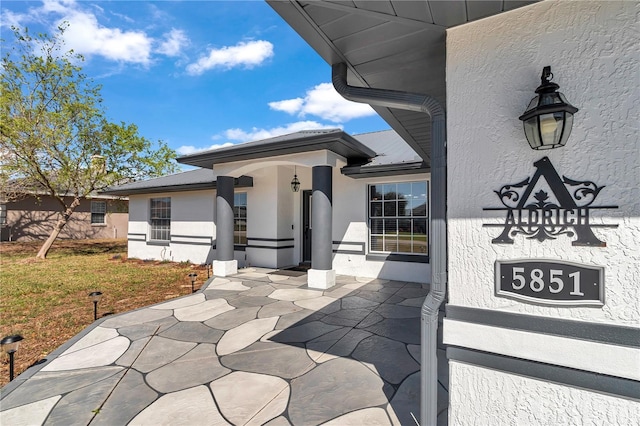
x,y
47,301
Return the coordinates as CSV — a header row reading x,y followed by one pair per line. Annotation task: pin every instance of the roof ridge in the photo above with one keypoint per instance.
x,y
374,131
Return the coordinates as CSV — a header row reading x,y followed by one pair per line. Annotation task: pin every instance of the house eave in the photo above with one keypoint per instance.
x,y
241,182
383,170
340,143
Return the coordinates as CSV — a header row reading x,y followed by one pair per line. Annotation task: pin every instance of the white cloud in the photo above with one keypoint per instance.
x,y
85,35
290,106
174,42
246,54
10,19
258,134
190,149
323,101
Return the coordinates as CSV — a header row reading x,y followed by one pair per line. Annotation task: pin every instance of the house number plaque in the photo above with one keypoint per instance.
x,y
550,282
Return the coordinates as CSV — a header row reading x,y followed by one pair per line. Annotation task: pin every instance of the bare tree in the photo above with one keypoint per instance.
x,y
54,136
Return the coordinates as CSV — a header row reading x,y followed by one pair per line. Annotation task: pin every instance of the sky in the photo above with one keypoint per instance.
x,y
197,74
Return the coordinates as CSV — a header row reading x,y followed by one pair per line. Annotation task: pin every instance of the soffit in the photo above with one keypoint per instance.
x,y
389,44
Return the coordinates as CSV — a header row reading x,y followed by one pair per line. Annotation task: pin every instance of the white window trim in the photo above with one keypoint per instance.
x,y
427,216
151,228
103,212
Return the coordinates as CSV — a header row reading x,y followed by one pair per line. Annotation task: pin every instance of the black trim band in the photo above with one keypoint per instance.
x,y
361,251
602,333
626,388
158,243
395,257
191,236
269,239
271,247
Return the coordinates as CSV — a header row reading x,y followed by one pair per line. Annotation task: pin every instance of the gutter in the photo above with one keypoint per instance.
x,y
438,239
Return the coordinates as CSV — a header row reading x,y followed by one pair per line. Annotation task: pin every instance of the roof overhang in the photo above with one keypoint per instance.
x,y
335,141
241,182
383,170
389,44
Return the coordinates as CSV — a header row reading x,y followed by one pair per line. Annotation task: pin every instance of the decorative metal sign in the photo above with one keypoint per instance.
x,y
550,282
546,206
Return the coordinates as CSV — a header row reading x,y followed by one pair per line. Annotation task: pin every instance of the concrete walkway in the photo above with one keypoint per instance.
x,y
256,348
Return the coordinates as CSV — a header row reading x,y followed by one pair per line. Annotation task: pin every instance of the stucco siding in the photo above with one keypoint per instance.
x,y
493,68
192,227
274,225
507,399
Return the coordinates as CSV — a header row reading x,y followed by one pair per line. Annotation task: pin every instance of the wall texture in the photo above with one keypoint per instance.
x,y
493,68
274,215
500,398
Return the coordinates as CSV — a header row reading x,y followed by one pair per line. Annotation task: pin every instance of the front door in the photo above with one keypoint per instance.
x,y
306,226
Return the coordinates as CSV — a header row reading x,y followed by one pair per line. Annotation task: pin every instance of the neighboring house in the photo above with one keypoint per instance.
x,y
515,232
379,211
33,216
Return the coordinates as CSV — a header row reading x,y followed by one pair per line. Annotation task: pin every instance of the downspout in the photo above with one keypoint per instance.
x,y
438,239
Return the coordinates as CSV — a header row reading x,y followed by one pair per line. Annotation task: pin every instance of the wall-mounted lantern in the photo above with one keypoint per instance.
x,y
295,183
549,117
10,347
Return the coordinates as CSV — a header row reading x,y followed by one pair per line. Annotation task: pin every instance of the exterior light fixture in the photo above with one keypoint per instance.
x,y
549,117
295,183
193,277
95,298
10,346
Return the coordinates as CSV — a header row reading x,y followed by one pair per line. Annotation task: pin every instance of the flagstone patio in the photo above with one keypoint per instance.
x,y
256,348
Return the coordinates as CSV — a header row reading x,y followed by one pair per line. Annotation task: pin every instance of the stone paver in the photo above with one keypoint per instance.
x,y
255,348
104,353
242,336
334,388
198,367
270,358
241,396
188,407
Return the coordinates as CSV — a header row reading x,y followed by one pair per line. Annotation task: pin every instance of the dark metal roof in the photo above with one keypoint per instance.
x,y
192,180
390,155
389,44
334,140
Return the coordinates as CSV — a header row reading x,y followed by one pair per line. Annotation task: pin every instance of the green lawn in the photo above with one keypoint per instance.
x,y
47,301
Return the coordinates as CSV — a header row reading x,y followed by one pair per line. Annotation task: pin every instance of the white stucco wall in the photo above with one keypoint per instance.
x,y
500,398
274,212
493,67
350,211
191,222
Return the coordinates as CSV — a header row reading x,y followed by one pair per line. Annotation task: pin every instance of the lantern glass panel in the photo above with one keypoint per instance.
x,y
531,132
551,126
568,125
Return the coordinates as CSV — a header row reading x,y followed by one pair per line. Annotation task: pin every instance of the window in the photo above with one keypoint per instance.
x,y
3,214
160,219
398,218
98,212
240,218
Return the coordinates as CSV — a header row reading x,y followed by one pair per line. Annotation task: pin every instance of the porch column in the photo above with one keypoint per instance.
x,y
321,275
224,264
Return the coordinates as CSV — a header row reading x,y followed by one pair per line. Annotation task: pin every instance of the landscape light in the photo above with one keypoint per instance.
x,y
10,346
95,298
193,277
